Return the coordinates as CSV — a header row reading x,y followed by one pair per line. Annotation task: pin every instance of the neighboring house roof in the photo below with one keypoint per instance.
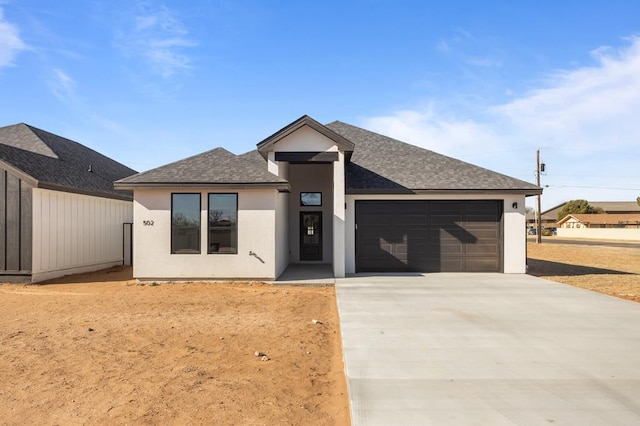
x,y
606,206
217,167
603,218
616,206
379,164
342,143
57,163
383,164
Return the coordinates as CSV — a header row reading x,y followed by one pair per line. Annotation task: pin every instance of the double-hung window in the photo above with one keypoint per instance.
x,y
185,223
223,223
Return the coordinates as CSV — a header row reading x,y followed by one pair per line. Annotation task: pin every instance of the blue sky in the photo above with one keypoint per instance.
x,y
150,82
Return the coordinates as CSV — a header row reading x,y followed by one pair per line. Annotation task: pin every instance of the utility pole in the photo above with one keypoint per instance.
x,y
538,213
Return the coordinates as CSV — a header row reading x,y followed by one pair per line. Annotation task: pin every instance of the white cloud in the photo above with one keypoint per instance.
x,y
585,119
63,87
432,130
10,42
586,108
464,47
159,37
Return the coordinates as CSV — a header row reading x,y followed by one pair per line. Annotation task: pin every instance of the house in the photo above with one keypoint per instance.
x,y
601,220
550,216
59,212
333,194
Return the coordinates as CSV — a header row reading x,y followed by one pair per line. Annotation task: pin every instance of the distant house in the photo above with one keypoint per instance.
x,y
59,211
331,194
550,216
603,220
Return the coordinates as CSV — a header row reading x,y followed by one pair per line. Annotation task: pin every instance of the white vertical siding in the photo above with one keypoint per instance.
x,y
75,233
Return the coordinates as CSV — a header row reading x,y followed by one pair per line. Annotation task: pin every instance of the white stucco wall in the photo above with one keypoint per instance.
x,y
305,139
75,233
153,260
628,234
339,252
514,243
514,236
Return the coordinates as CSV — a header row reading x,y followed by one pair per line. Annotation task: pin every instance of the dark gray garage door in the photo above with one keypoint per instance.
x,y
428,236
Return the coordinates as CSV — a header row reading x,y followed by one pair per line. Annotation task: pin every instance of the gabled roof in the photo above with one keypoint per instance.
x,y
217,167
343,143
57,163
381,164
603,218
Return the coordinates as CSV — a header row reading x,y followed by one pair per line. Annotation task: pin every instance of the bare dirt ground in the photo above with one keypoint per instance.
x,y
610,270
101,349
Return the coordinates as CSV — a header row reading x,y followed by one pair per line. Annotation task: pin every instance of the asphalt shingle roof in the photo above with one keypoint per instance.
x,y
383,164
217,166
604,218
379,164
60,163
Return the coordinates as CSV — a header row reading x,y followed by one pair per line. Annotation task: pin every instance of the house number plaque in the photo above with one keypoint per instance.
x,y
147,222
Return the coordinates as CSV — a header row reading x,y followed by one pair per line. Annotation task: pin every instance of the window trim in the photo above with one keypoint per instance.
x,y
236,227
199,219
310,205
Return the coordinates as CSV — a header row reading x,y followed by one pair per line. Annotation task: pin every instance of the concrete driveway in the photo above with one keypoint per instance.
x,y
487,349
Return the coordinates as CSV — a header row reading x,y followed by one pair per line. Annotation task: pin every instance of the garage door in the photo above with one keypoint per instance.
x,y
428,236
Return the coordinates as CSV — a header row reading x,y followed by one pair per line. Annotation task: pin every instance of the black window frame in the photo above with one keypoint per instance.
x,y
310,205
199,195
232,228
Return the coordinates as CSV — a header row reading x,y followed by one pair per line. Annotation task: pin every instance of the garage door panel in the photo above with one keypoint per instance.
x,y
411,207
377,220
451,249
481,265
485,234
445,207
428,235
411,220
443,220
482,249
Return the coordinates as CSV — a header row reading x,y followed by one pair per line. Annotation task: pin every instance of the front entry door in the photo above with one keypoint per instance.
x,y
310,235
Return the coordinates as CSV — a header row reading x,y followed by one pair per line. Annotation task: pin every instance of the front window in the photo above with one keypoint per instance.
x,y
311,198
185,223
223,223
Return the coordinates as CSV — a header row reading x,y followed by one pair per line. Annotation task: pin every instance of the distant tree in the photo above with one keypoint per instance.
x,y
530,210
577,207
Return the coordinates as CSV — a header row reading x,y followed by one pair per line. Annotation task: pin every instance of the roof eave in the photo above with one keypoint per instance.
x,y
402,190
18,172
63,188
130,186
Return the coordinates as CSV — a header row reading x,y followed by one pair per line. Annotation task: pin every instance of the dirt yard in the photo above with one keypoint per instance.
x,y
610,270
104,350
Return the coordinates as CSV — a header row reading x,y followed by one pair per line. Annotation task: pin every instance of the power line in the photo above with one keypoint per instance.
x,y
590,187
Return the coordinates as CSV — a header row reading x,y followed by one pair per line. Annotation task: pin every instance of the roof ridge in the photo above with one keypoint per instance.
x,y
35,144
71,141
234,161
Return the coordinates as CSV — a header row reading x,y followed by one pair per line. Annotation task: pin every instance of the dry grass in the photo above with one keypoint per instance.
x,y
610,270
